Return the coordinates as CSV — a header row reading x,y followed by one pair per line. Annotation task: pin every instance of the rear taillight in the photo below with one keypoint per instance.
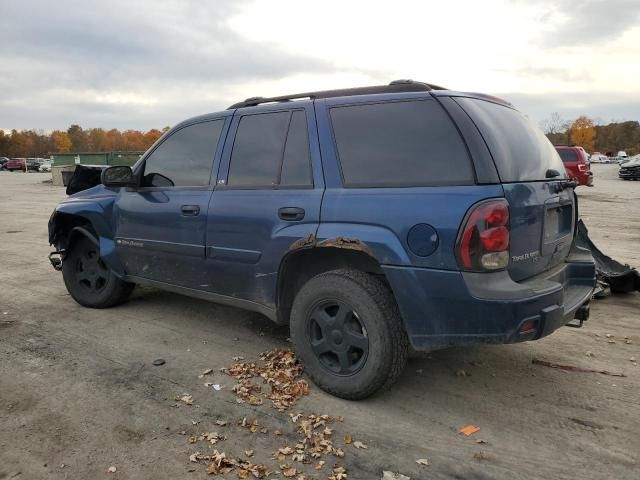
x,y
583,167
483,241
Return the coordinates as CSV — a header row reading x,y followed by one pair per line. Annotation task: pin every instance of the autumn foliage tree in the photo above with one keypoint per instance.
x,y
583,133
36,143
60,141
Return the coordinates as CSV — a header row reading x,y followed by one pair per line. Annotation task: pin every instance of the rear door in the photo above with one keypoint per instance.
x,y
542,211
266,199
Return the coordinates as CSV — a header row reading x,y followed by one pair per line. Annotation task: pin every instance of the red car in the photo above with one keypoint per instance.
x,y
15,164
576,163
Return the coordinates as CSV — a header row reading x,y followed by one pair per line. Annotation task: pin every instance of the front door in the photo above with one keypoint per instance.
x,y
160,226
267,198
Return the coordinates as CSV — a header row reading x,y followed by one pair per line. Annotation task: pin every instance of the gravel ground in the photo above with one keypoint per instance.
x,y
79,393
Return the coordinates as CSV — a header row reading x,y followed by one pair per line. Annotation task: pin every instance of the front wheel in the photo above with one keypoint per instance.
x,y
89,281
348,333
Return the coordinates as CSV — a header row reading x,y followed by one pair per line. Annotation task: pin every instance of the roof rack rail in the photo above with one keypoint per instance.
x,y
397,86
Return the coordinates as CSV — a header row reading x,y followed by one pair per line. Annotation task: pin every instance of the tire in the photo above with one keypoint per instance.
x,y
348,333
89,281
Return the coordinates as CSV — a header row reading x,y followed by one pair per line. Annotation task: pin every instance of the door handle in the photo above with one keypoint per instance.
x,y
190,210
291,214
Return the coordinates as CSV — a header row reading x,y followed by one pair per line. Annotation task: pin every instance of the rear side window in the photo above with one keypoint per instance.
x,y
296,164
568,155
520,150
185,158
271,149
411,143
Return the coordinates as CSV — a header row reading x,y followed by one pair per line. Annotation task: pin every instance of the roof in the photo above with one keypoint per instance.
x,y
397,86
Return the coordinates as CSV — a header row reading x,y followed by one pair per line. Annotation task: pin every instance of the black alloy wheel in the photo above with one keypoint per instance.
x,y
338,338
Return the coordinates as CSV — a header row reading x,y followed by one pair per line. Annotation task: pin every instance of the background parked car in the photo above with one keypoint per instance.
x,y
598,157
45,166
15,164
577,164
33,164
631,169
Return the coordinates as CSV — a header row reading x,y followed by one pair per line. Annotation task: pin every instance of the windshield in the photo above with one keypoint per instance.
x,y
521,152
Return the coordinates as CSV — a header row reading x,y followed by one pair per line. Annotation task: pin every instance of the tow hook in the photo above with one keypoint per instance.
x,y
56,260
582,315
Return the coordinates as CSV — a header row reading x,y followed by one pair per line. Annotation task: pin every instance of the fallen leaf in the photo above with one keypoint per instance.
x,y
359,444
222,423
423,461
248,453
112,469
347,439
186,398
469,430
481,456
289,472
386,475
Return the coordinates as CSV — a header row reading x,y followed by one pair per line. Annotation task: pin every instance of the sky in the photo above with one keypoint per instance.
x,y
144,64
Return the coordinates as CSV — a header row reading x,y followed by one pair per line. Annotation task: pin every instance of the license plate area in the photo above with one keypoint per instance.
x,y
558,223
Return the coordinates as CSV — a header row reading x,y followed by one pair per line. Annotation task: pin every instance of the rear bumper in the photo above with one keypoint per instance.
x,y
443,308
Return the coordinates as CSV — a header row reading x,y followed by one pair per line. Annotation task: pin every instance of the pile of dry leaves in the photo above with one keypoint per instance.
x,y
314,443
280,371
220,463
282,384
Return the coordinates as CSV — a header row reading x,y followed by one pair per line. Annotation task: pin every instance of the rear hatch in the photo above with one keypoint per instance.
x,y
542,210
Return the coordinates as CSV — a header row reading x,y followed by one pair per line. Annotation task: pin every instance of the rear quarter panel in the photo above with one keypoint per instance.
x,y
381,217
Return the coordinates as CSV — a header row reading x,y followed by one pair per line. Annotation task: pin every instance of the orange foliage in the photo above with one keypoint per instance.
x,y
583,133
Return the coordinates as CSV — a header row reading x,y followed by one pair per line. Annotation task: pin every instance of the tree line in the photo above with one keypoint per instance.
x,y
608,139
37,143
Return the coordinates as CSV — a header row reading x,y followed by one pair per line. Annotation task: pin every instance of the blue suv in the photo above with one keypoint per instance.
x,y
370,220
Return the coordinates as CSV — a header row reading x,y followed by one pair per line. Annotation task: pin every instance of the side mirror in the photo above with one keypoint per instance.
x,y
117,176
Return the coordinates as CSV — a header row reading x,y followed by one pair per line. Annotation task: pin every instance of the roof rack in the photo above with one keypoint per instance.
x,y
397,86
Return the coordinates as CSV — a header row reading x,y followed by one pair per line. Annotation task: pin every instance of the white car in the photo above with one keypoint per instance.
x,y
45,167
598,158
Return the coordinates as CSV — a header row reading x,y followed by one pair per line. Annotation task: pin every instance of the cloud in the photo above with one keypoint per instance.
x,y
578,22
125,62
604,107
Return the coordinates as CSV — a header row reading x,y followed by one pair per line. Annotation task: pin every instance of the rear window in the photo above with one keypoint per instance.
x,y
410,143
568,155
520,150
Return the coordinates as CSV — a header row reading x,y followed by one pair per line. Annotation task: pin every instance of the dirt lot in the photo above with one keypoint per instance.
x,y
79,393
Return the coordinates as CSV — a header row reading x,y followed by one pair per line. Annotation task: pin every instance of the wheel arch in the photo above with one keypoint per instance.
x,y
66,227
300,265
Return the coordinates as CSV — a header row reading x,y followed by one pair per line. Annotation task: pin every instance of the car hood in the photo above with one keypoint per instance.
x,y
93,193
634,162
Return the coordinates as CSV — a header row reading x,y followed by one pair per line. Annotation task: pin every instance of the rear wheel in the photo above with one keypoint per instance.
x,y
348,333
88,279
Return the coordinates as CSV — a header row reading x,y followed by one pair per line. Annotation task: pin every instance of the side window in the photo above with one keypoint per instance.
x,y
410,143
271,149
296,164
185,158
